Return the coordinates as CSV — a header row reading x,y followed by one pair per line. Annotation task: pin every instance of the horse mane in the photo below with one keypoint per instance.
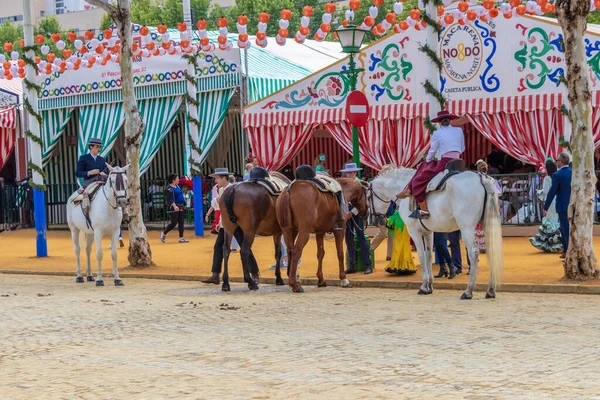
x,y
395,175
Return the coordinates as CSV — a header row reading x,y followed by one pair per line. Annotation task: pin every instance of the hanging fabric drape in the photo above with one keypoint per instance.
x,y
275,146
219,155
101,121
407,141
8,138
528,136
159,115
8,118
336,155
211,113
53,125
372,139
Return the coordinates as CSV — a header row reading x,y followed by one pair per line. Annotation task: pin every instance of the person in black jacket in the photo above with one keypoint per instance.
x,y
28,206
176,205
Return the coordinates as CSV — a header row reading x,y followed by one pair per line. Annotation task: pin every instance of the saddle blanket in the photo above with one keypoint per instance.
x,y
438,183
273,184
91,190
329,183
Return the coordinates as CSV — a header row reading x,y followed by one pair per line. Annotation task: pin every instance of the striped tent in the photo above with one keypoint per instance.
x,y
101,121
53,126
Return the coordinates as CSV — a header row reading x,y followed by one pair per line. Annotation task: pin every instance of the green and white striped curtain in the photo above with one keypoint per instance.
x,y
159,115
101,121
259,88
53,125
211,113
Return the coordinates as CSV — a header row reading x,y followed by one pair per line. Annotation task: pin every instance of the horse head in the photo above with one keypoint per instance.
x,y
117,181
355,192
384,188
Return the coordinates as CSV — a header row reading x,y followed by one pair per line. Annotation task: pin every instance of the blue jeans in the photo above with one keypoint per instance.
x,y
440,242
563,220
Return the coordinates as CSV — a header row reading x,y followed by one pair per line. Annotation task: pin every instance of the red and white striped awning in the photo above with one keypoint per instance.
x,y
513,104
8,118
596,99
335,115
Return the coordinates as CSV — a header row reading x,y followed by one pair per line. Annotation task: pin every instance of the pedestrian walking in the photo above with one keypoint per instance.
x,y
176,203
561,189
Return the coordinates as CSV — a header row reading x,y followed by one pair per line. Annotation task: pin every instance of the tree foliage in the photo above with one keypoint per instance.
x,y
105,22
169,12
45,26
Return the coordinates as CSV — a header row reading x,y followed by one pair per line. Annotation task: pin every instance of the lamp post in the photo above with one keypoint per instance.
x,y
351,38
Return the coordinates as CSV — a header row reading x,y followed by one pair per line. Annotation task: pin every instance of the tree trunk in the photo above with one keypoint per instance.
x,y
581,262
140,254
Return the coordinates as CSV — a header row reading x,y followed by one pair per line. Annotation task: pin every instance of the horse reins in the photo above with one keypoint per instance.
x,y
120,186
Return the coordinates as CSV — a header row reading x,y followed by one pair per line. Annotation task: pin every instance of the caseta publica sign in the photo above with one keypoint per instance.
x,y
461,49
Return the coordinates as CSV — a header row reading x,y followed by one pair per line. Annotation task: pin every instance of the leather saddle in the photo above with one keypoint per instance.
x,y
438,183
274,182
92,190
323,181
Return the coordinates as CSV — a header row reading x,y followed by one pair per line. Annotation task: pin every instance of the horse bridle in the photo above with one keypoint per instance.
x,y
372,194
120,186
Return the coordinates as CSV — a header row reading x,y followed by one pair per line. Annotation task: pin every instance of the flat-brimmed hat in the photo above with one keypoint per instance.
x,y
444,114
95,142
351,167
480,161
221,172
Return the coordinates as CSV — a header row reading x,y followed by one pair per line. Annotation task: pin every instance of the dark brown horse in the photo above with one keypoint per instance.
x,y
303,210
251,208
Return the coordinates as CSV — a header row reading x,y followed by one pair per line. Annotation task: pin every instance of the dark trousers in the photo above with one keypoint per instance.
x,y
218,252
356,226
28,211
563,220
440,242
454,238
176,218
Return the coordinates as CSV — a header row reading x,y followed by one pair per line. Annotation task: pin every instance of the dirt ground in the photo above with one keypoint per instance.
x,y
156,339
523,263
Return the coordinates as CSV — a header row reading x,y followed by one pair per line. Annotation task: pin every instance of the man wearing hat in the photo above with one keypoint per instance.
x,y
449,143
221,177
91,166
355,226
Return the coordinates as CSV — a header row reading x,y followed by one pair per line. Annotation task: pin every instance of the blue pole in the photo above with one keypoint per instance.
x,y
198,207
39,214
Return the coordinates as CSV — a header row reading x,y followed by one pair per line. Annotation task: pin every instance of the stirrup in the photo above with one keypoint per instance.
x,y
420,214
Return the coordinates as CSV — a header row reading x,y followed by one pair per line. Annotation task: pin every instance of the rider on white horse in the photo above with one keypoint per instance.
x,y
91,167
449,142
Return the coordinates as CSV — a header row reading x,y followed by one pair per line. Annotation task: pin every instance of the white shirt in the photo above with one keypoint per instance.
x,y
445,140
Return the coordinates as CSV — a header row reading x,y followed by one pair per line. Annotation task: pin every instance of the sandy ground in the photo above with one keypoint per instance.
x,y
179,340
523,263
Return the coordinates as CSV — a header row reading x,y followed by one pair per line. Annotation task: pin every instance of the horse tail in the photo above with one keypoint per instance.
x,y
228,199
493,232
284,213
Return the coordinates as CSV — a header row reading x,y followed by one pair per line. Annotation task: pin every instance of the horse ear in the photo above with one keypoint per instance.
x,y
110,169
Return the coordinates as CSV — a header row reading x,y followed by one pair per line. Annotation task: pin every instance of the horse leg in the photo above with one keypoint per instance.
x,y
320,255
99,254
429,255
77,250
246,248
89,239
225,287
301,242
420,244
339,235
277,242
113,255
468,236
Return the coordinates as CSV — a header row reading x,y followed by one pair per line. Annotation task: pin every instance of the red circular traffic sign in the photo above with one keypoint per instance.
x,y
357,108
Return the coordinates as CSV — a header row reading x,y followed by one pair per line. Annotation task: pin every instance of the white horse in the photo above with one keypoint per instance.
x,y
105,215
468,198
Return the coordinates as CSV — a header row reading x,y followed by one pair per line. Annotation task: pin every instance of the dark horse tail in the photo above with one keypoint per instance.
x,y
228,198
284,213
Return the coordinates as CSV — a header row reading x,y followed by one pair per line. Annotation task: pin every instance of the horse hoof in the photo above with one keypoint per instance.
x,y
99,283
345,283
466,296
421,291
489,295
324,284
90,279
79,279
226,288
252,286
299,290
119,282
279,282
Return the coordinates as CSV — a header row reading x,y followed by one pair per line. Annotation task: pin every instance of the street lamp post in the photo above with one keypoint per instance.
x,y
351,38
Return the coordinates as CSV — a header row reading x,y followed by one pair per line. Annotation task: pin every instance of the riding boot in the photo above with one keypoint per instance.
x,y
452,271
214,279
424,209
443,271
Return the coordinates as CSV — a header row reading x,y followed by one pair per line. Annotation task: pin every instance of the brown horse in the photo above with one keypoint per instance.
x,y
304,209
251,208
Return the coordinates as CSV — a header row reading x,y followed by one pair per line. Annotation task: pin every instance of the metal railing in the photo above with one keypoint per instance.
x,y
10,213
520,200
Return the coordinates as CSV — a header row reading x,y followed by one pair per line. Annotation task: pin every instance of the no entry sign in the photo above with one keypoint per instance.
x,y
357,108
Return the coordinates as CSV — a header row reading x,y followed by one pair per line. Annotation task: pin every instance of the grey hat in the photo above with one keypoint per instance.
x,y
221,172
351,167
95,141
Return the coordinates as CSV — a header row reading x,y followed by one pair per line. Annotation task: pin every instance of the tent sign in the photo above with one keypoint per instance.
x,y
357,108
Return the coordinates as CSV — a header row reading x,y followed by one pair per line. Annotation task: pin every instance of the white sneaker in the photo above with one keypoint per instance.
x,y
183,240
163,237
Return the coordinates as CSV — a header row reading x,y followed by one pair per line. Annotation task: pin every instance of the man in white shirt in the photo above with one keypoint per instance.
x,y
449,142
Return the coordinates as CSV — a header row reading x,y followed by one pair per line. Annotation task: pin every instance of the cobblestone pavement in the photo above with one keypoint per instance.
x,y
185,340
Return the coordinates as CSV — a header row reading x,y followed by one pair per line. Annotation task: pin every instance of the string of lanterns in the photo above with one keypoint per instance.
x,y
95,51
